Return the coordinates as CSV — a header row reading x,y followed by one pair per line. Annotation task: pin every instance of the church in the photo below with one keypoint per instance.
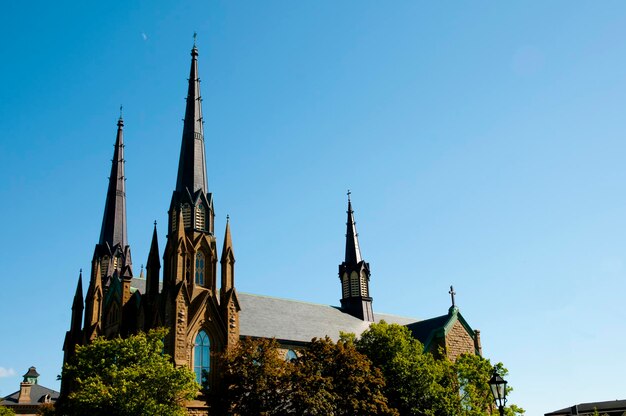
x,y
180,290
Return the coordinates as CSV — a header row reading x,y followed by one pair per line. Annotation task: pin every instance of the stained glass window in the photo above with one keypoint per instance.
x,y
202,358
199,268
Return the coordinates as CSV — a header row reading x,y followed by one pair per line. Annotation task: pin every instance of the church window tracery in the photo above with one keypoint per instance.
x,y
202,358
199,268
345,287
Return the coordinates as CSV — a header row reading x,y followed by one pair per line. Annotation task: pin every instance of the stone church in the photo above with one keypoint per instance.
x,y
180,290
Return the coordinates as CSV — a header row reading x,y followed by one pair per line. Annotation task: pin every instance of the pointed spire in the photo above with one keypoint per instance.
x,y
114,222
353,252
153,265
77,306
228,241
153,256
192,164
78,296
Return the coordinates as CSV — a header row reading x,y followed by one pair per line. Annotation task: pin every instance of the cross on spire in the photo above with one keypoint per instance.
x,y
452,293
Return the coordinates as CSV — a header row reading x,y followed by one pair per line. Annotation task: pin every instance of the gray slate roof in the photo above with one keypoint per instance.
x,y
291,320
294,321
37,394
612,407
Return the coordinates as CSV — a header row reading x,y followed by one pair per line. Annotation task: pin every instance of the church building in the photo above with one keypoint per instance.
x,y
181,292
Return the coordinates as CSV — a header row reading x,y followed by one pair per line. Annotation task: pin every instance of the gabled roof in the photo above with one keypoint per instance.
x,y
291,320
425,331
37,395
610,407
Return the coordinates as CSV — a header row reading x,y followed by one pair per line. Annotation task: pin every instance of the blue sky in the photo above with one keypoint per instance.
x,y
483,143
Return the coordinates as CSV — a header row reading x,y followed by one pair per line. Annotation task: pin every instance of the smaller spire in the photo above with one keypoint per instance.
x,y
78,296
228,241
353,251
153,265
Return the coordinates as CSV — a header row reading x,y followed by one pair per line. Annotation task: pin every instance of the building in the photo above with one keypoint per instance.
x,y
31,396
204,317
610,408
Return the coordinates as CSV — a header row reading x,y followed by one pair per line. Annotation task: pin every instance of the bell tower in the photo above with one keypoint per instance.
x,y
354,274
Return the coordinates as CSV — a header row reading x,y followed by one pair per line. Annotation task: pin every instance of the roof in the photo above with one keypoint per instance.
x,y
291,320
617,406
295,321
37,394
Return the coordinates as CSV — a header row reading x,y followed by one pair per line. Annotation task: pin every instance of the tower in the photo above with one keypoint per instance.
x,y
192,311
354,274
111,266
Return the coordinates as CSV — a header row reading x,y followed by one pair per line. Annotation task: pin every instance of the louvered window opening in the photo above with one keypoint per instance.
x,y
187,215
354,283
200,218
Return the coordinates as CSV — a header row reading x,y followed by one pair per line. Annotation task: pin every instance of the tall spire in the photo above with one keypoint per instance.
x,y
114,222
77,305
153,266
353,252
192,165
354,274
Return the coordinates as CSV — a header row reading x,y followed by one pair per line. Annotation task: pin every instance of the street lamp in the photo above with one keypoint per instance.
x,y
498,389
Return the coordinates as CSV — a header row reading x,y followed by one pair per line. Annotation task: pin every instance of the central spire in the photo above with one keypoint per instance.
x,y
114,222
192,165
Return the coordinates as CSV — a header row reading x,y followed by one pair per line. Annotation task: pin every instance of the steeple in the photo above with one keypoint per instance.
x,y
354,274
153,266
227,261
114,222
78,306
192,164
353,251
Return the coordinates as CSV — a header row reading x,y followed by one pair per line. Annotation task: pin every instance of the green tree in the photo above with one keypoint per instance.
x,y
5,411
255,380
334,378
417,383
326,378
127,377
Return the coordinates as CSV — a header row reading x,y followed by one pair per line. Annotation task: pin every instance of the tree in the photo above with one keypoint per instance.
x,y
334,378
129,377
417,383
255,379
326,378
5,411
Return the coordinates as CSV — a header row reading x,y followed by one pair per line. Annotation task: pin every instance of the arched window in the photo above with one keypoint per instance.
x,y
187,215
345,286
290,355
199,268
200,218
354,284
202,358
364,285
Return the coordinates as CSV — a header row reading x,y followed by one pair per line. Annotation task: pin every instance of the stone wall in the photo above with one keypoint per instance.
x,y
458,341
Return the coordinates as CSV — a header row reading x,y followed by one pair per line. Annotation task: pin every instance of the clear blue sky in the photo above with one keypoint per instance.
x,y
484,143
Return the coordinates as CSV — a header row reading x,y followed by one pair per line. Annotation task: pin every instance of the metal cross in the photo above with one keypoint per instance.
x,y
349,193
452,293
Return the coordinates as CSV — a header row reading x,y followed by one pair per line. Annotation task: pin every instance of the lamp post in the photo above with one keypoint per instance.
x,y
498,389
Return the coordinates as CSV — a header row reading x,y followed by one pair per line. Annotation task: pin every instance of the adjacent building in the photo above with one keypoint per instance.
x,y
31,396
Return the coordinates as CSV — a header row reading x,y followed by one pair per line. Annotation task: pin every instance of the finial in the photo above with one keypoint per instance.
x,y
452,293
155,223
121,110
349,193
195,35
81,271
120,121
227,218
